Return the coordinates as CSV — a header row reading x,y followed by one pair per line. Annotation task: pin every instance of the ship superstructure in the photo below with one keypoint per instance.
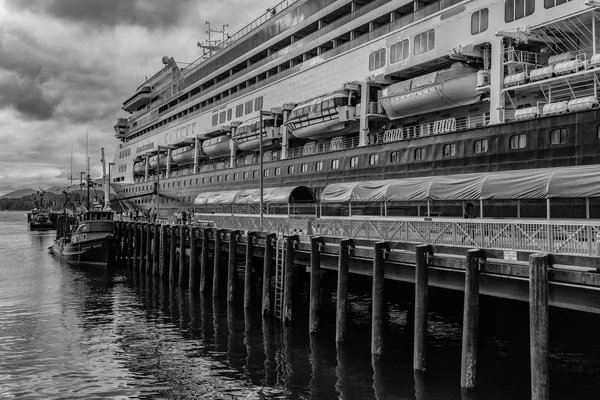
x,y
368,89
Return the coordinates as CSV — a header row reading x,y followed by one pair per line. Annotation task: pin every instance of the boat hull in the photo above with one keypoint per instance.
x,y
41,226
96,252
326,129
216,147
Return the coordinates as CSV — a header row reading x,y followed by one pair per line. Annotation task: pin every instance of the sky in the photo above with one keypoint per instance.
x,y
66,66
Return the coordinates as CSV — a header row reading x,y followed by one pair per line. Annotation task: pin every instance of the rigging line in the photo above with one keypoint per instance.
x,y
570,28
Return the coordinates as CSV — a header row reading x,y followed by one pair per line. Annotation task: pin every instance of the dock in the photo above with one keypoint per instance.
x,y
208,259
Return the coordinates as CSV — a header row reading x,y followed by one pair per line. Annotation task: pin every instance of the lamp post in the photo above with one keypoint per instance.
x,y
260,156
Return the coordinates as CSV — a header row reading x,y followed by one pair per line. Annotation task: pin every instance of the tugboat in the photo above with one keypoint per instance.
x,y
87,240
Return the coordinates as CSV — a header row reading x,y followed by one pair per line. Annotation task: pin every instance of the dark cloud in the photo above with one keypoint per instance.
x,y
152,14
27,97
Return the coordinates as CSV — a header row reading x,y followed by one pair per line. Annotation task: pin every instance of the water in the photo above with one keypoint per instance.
x,y
67,332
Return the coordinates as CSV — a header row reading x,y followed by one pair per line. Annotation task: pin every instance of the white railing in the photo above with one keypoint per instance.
x,y
572,237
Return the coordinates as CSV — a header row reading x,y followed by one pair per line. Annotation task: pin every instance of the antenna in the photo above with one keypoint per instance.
x,y
213,45
71,160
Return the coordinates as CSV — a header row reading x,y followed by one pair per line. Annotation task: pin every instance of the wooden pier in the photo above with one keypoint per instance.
x,y
207,260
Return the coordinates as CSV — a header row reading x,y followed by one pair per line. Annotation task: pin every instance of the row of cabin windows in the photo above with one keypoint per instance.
x,y
424,42
124,153
241,109
518,141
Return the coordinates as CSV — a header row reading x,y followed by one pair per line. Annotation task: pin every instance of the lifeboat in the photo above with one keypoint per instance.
x,y
140,98
183,155
216,147
139,167
435,91
153,161
323,117
246,135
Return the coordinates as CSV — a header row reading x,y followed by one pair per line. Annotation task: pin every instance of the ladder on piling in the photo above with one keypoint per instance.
x,y
279,274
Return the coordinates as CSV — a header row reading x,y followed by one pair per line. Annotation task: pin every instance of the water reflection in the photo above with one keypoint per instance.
x,y
342,384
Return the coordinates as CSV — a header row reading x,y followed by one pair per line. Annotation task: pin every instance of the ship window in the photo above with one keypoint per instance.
x,y
277,171
222,116
554,3
266,173
258,103
377,59
178,183
215,119
227,178
319,166
239,111
518,141
255,174
203,180
419,153
248,107
373,159
449,150
184,183
424,42
517,9
303,168
196,181
219,178
399,51
229,114
559,136
291,169
395,157
479,21
480,146
335,164
246,174
210,180
353,162
235,176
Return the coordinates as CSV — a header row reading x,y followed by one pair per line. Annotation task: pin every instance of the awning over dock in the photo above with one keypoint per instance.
x,y
282,195
564,182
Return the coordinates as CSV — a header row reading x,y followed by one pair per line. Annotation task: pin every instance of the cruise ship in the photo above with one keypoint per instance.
x,y
346,91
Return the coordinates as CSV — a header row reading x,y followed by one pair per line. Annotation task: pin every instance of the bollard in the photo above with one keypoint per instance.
x,y
315,283
378,301
183,271
288,283
248,271
342,291
421,306
267,297
538,326
232,266
468,370
194,271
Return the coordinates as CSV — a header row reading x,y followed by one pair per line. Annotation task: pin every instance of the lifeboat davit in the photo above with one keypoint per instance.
x,y
323,117
183,155
435,91
216,147
246,135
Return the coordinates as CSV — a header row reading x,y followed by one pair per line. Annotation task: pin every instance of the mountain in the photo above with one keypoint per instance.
x,y
17,194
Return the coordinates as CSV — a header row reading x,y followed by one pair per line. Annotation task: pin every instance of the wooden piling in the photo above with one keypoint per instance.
x,y
164,253
183,271
217,270
468,370
141,251
288,280
149,259
129,249
315,283
231,270
538,326
248,271
267,290
136,245
421,307
204,267
156,255
342,291
172,255
378,313
194,271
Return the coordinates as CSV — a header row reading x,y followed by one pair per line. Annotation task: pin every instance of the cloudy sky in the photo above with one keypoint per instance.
x,y
67,65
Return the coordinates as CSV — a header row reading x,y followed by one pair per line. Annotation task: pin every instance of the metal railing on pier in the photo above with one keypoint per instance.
x,y
558,237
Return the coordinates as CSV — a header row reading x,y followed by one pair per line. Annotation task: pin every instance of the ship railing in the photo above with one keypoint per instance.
x,y
433,128
326,147
558,237
513,56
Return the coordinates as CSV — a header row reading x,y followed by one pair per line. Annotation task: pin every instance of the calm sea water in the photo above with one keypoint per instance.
x,y
67,332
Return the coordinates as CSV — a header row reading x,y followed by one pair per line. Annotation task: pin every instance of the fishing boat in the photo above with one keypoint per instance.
x,y
86,241
356,91
39,220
